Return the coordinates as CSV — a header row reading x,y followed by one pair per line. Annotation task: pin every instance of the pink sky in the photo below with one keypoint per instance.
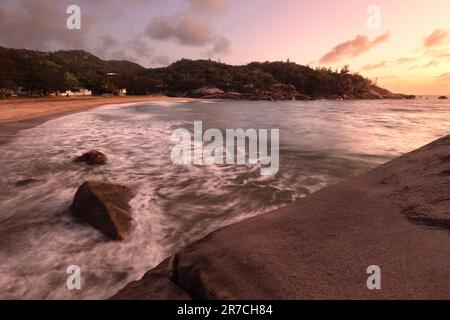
x,y
409,53
400,60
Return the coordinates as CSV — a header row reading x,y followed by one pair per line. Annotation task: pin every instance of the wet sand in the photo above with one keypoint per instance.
x,y
396,216
23,113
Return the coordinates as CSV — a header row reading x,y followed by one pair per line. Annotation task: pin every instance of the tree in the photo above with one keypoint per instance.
x,y
71,81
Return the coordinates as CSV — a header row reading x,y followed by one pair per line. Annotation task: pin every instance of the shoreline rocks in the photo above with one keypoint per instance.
x,y
205,91
284,92
92,158
104,206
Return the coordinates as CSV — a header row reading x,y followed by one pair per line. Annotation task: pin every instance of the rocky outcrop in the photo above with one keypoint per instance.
x,y
281,91
92,158
408,96
105,206
379,93
205,91
259,96
225,96
396,217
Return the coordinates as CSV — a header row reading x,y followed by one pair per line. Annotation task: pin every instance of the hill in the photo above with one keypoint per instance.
x,y
47,72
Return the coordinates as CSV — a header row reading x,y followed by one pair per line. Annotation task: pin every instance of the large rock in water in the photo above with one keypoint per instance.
x,y
105,206
92,158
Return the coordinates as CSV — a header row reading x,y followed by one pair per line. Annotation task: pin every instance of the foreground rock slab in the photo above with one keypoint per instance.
x,y
105,206
396,216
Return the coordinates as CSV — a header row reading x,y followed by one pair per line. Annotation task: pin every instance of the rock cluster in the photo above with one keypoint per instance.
x,y
281,91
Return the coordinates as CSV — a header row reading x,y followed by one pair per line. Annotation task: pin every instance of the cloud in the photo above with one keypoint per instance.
x,y
139,47
107,42
439,53
186,28
443,77
432,63
41,24
353,48
121,55
375,66
222,46
135,49
189,29
209,5
392,62
401,61
113,8
436,38
160,61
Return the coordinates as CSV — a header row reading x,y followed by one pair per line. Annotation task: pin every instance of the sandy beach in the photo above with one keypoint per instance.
x,y
23,113
20,109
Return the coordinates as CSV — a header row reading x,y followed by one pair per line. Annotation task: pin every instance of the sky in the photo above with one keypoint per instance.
x,y
402,45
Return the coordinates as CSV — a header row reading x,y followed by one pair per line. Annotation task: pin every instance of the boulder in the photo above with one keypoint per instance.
x,y
92,158
443,98
105,206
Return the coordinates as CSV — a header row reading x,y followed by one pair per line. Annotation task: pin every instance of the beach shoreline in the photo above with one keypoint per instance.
x,y
20,109
18,114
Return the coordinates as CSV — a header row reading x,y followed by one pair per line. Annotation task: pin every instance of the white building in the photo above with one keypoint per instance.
x,y
122,92
78,92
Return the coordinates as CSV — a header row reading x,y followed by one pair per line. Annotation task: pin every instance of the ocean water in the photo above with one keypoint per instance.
x,y
321,143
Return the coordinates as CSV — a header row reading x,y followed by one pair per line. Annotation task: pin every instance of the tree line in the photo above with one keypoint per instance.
x,y
49,72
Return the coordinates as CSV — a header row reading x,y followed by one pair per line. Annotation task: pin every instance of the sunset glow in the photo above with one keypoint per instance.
x,y
226,156
408,53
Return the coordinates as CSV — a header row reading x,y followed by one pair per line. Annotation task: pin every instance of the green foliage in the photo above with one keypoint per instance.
x,y
63,70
